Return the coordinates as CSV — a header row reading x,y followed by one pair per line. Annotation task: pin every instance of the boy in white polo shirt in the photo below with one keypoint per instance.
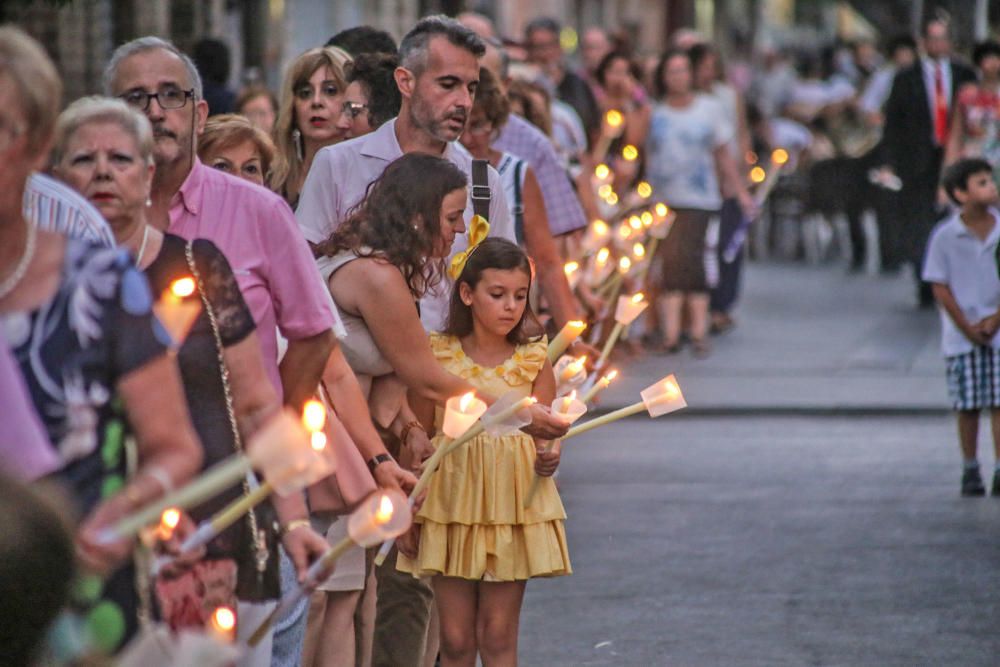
x,y
961,265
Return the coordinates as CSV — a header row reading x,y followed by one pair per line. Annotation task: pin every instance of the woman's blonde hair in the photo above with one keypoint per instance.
x,y
230,129
97,109
39,89
288,163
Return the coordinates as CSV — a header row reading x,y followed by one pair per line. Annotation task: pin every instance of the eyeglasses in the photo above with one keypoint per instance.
x,y
9,133
167,98
353,109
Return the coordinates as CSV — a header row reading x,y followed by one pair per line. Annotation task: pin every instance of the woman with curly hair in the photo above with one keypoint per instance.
x,y
377,264
309,116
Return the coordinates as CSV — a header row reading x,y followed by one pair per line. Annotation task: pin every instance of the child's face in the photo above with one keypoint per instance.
x,y
452,221
980,189
499,299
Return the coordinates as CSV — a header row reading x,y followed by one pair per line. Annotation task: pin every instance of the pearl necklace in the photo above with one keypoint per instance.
x,y
8,285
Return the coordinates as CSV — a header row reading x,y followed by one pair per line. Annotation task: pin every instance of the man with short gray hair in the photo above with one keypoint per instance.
x,y
256,231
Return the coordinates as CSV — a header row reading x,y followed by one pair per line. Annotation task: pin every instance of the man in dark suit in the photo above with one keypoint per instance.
x,y
917,119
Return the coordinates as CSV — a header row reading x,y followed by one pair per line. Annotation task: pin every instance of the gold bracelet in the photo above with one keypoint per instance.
x,y
294,524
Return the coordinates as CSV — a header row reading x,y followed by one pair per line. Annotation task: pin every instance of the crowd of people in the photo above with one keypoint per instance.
x,y
372,236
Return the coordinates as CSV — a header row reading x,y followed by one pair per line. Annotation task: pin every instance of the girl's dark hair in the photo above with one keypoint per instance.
x,y
607,61
492,253
399,218
983,50
659,85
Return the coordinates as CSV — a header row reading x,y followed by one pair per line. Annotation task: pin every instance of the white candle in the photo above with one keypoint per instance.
x,y
572,271
629,307
598,387
461,412
569,333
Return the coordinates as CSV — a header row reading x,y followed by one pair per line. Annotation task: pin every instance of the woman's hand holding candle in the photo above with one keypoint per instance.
x,y
547,459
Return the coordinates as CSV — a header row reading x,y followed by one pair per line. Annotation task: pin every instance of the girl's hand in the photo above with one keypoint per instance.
x,y
304,545
547,459
409,542
544,425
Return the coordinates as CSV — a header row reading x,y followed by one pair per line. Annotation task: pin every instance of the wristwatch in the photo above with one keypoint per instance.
x,y
374,461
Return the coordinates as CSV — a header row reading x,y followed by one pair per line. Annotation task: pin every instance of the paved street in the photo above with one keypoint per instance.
x,y
804,512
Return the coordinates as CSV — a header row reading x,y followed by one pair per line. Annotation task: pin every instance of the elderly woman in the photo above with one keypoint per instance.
x,y
522,194
231,143
79,321
104,149
310,116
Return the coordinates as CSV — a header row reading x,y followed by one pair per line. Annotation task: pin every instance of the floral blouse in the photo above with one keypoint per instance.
x,y
74,349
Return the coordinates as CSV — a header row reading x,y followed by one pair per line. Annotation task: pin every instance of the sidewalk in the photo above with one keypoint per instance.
x,y
810,340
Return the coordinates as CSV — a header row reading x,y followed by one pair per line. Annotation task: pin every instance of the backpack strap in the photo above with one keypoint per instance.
x,y
481,193
518,203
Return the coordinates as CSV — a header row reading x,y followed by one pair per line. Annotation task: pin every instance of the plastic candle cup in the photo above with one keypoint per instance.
x,y
461,412
629,307
568,408
221,625
663,397
286,452
572,369
566,336
383,516
177,309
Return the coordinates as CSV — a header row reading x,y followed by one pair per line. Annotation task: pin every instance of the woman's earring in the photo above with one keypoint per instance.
x,y
297,140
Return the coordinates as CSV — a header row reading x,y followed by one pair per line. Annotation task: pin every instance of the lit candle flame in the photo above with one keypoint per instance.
x,y
611,376
671,389
577,365
639,250
638,297
779,156
182,287
602,256
630,153
644,190
605,191
602,171
168,522
611,199
635,222
646,218
600,228
570,268
624,231
624,264
614,118
223,619
385,509
313,415
757,174
466,401
661,209
578,324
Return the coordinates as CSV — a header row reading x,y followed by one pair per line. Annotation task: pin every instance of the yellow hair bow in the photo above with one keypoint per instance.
x,y
478,230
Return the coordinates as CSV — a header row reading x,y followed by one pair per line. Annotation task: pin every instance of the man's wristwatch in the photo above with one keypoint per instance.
x,y
374,461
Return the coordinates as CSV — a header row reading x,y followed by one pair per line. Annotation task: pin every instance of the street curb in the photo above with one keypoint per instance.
x,y
795,411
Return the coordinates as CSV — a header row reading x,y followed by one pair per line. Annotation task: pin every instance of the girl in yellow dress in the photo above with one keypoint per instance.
x,y
473,534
